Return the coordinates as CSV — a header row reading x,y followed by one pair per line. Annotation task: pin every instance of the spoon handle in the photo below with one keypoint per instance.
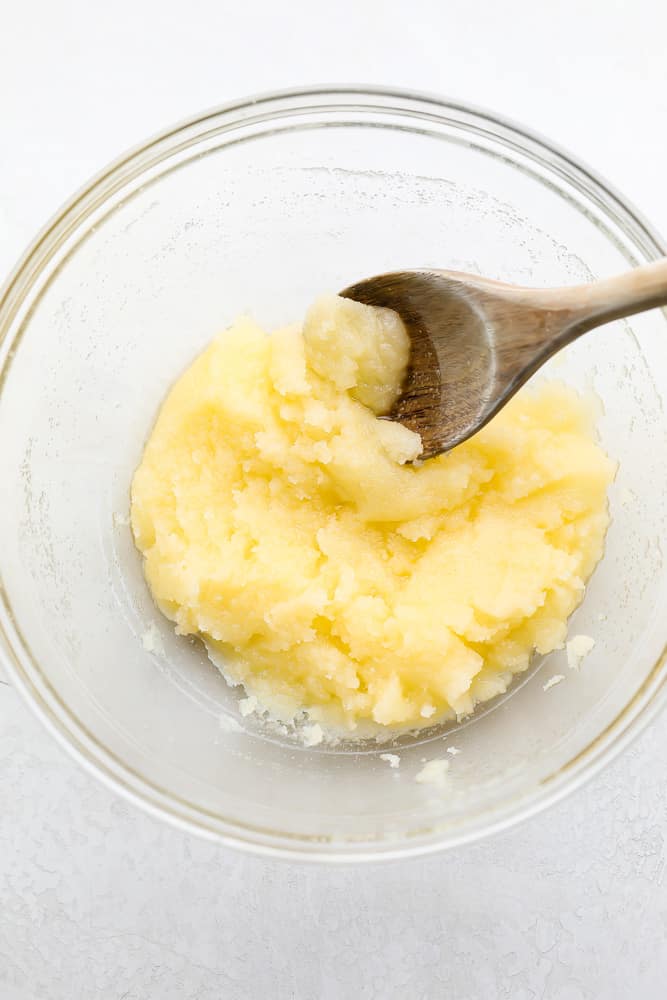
x,y
603,301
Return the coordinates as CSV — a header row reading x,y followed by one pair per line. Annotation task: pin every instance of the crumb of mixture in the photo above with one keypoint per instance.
x,y
434,773
453,751
391,758
556,679
312,735
578,647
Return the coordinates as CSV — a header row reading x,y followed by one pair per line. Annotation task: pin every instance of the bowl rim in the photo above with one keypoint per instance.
x,y
24,671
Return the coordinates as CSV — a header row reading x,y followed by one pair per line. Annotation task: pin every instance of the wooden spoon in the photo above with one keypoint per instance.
x,y
476,341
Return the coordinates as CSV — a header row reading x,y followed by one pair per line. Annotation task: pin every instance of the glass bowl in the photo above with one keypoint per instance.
x,y
260,206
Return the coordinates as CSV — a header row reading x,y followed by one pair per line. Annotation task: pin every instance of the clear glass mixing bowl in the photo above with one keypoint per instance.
x,y
258,207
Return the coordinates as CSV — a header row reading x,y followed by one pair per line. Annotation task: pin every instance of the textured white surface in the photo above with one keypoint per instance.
x,y
97,900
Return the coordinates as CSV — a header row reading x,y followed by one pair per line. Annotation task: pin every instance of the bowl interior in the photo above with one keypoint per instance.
x,y
259,210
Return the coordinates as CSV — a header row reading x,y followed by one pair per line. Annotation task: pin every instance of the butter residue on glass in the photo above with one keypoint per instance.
x,y
287,524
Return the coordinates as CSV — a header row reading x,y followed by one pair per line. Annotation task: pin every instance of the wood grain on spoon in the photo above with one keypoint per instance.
x,y
476,341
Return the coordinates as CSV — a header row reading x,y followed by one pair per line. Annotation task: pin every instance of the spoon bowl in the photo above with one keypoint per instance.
x,y
475,341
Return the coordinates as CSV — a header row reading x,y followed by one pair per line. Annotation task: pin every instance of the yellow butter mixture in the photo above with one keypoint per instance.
x,y
292,529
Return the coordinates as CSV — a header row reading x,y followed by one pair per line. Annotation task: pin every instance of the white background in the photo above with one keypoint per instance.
x,y
97,900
